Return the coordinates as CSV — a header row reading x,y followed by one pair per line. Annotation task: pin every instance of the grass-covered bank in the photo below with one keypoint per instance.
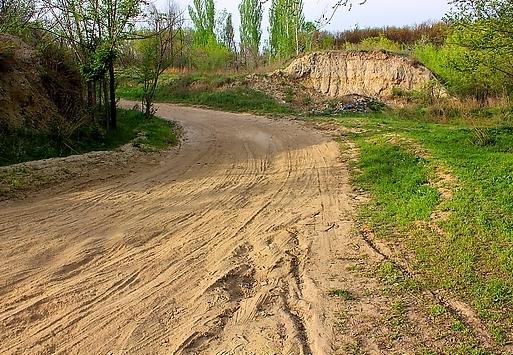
x,y
23,145
444,193
208,91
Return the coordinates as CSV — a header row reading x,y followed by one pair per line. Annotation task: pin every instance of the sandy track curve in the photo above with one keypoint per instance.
x,y
226,247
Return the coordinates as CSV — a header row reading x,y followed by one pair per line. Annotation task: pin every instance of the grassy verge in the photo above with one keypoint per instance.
x,y
468,252
212,92
24,146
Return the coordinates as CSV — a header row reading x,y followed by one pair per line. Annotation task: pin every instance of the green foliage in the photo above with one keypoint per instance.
x,y
379,43
462,72
483,29
25,145
209,92
251,14
286,22
95,67
210,56
207,53
323,41
154,52
15,15
202,14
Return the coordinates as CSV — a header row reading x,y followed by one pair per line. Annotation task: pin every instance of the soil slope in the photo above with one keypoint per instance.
x,y
374,74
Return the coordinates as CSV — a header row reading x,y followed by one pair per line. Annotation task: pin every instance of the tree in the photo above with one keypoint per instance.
x,y
486,27
155,51
203,17
15,15
228,35
286,21
95,29
251,14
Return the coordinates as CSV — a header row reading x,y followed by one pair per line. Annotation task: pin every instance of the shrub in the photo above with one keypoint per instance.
x,y
459,70
380,43
408,35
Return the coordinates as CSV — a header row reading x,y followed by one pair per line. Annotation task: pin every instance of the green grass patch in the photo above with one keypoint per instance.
x,y
209,92
23,145
344,294
473,258
398,181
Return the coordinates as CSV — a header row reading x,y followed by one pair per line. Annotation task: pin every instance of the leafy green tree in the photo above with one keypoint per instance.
x,y
95,29
286,22
202,14
484,28
251,14
155,51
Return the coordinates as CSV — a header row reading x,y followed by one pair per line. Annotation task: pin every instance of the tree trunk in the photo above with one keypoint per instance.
x,y
106,110
90,90
112,92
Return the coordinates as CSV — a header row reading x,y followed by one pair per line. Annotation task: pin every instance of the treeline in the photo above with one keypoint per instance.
x,y
105,39
433,32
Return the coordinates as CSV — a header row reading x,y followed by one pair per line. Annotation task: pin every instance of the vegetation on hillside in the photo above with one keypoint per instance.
x,y
25,145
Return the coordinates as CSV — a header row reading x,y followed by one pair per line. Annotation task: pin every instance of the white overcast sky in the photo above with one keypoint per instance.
x,y
374,13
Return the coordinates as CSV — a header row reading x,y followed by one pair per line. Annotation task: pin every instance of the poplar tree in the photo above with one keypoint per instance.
x,y
286,21
202,14
228,34
251,14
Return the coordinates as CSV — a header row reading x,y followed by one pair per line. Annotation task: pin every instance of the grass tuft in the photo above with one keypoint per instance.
x,y
344,294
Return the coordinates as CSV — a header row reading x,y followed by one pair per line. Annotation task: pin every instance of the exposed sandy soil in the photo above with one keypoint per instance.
x,y
229,245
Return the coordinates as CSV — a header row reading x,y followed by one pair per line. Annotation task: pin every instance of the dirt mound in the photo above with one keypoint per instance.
x,y
34,93
374,74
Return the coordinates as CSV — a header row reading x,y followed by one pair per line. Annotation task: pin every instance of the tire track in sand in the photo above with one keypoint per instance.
x,y
223,248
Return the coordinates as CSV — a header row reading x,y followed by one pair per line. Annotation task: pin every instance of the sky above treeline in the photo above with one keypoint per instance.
x,y
373,13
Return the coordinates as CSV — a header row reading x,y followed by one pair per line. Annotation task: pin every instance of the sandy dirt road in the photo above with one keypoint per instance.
x,y
229,246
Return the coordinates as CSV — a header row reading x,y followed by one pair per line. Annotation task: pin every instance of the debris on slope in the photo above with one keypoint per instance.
x,y
306,99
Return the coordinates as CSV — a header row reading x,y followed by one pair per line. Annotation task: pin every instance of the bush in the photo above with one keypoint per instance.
x,y
458,69
379,43
211,56
408,35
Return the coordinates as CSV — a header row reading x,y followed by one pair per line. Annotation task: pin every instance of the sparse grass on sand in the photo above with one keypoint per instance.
x,y
458,224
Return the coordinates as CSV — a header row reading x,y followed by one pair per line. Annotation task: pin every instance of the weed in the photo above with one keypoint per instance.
x,y
390,273
344,294
437,310
458,326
